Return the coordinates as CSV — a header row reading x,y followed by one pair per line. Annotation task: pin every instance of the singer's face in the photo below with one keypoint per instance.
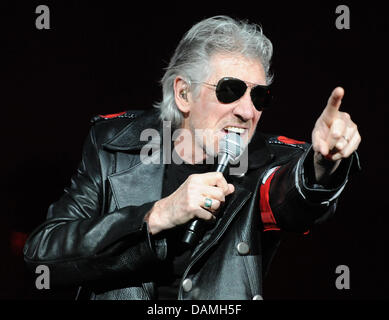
x,y
211,119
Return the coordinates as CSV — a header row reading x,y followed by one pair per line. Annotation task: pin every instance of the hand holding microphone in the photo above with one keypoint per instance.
x,y
230,148
190,202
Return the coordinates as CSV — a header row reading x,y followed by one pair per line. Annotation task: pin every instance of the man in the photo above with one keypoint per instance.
x,y
117,231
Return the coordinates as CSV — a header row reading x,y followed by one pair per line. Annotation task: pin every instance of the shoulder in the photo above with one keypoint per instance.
x,y
282,141
107,126
282,146
127,115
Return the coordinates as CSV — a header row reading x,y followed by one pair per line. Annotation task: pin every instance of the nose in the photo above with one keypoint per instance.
x,y
245,109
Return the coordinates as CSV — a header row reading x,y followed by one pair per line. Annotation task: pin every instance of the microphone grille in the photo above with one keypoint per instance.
x,y
231,144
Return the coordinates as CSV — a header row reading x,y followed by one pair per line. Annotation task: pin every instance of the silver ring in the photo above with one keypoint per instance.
x,y
345,138
207,203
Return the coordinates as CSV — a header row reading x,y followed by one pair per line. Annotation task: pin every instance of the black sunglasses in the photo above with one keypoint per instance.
x,y
231,89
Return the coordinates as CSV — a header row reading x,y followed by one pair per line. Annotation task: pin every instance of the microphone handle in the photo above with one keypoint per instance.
x,y
193,233
223,163
195,229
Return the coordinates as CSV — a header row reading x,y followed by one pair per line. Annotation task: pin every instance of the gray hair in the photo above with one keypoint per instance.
x,y
219,34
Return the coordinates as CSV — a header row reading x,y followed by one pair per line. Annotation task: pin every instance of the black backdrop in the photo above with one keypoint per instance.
x,y
109,57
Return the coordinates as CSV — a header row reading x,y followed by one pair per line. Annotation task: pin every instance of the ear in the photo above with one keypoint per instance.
x,y
181,94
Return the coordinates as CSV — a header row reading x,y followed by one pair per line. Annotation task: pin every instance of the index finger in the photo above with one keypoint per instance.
x,y
331,110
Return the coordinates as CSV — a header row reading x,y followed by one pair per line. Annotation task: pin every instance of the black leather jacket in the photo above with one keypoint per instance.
x,y
95,235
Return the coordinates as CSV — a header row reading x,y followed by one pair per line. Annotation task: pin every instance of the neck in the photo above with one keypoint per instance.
x,y
188,151
187,148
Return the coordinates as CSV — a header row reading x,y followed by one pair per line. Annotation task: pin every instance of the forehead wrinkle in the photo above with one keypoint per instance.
x,y
236,66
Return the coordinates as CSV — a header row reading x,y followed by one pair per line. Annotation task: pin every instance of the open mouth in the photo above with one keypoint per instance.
x,y
235,130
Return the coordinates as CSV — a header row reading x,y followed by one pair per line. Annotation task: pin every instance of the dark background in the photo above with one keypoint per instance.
x,y
109,57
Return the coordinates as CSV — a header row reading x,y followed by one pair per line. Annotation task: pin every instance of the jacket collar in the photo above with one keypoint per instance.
x,y
259,150
129,139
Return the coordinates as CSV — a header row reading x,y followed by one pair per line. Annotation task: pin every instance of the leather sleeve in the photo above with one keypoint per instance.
x,y
79,243
295,203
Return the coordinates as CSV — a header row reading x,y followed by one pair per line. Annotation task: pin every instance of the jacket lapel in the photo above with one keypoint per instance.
x,y
134,181
137,185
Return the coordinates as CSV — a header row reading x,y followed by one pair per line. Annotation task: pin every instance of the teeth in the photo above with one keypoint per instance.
x,y
235,129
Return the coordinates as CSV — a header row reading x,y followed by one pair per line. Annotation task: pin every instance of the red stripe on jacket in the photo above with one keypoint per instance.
x,y
289,141
110,116
269,222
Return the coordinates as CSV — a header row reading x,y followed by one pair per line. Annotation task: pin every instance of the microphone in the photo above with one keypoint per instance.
x,y
230,149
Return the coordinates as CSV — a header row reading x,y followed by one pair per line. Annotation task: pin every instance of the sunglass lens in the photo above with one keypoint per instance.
x,y
261,97
230,90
